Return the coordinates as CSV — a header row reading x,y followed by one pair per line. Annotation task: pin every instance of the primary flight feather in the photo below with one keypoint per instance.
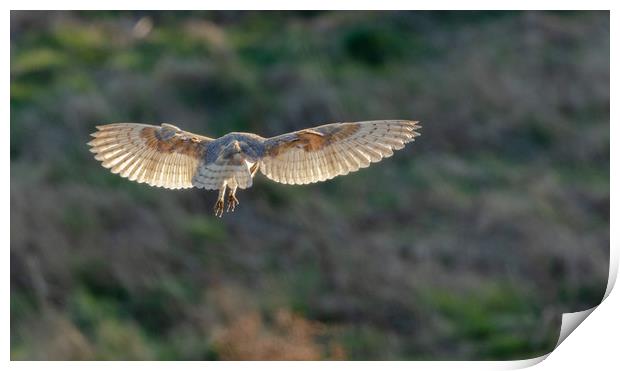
x,y
166,156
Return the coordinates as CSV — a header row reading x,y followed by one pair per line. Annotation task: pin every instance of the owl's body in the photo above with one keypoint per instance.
x,y
251,144
166,156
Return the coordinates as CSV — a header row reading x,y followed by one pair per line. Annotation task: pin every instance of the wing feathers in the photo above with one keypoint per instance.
x,y
323,152
161,156
166,156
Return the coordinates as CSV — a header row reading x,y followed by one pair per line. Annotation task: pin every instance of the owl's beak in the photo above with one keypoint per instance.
x,y
236,146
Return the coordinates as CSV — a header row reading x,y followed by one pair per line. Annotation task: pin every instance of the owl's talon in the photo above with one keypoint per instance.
x,y
232,202
219,208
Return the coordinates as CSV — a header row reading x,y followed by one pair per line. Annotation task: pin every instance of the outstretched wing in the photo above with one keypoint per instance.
x,y
323,152
161,156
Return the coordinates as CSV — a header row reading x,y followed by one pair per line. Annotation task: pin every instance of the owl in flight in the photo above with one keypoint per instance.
x,y
166,156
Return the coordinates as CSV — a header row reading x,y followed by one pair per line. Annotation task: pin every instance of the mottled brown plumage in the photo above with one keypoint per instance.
x,y
166,156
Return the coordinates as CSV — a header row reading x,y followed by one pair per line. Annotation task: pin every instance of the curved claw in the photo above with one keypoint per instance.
x,y
218,209
232,202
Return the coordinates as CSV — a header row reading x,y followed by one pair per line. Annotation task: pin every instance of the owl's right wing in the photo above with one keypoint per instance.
x,y
323,152
161,156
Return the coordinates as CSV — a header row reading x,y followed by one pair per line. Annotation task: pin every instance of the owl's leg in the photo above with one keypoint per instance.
x,y
219,204
232,200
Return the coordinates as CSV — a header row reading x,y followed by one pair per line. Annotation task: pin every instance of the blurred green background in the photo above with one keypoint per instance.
x,y
467,244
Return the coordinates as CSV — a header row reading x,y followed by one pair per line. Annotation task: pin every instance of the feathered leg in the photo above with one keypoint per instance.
x,y
219,204
232,200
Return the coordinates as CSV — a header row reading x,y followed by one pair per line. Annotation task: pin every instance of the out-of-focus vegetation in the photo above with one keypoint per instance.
x,y
468,244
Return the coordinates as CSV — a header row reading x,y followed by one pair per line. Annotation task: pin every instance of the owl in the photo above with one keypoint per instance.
x,y
166,156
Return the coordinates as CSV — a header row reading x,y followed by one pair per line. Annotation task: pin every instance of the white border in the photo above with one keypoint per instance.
x,y
595,340
318,5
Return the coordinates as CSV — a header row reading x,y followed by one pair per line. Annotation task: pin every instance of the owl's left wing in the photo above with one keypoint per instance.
x,y
323,152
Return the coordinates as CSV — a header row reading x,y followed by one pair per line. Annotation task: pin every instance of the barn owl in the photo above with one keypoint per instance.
x,y
166,156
